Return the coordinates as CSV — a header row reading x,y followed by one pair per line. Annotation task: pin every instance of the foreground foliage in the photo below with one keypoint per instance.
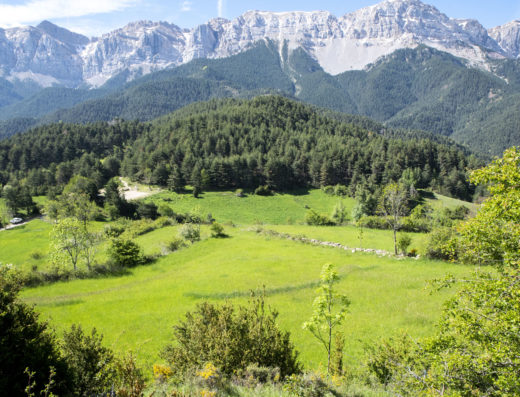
x,y
231,338
26,343
476,350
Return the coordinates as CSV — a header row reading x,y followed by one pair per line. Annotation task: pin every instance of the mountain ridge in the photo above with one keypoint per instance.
x,y
51,55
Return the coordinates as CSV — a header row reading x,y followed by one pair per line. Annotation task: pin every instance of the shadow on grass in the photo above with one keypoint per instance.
x,y
70,302
242,294
427,195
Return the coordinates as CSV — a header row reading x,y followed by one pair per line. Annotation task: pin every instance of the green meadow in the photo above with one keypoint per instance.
x,y
136,311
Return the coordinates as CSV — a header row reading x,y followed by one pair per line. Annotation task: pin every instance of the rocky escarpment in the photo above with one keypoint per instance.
x,y
50,55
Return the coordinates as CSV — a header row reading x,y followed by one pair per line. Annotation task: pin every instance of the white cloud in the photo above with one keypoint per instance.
x,y
220,8
186,6
38,10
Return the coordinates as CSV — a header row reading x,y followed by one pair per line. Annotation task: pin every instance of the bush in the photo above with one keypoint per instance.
x,y
340,190
125,253
175,245
263,191
339,214
190,232
217,230
165,210
315,219
114,230
26,343
442,244
255,375
307,385
239,193
130,378
89,362
328,190
231,338
403,242
147,210
374,222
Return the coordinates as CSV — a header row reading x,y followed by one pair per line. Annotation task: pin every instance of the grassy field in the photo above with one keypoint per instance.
x,y
136,311
277,209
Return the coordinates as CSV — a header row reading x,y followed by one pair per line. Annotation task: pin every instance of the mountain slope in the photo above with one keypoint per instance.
x,y
421,89
52,55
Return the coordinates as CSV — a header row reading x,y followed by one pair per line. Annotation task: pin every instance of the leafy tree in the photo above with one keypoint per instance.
x,y
18,197
91,365
493,235
231,339
330,309
75,205
358,212
81,185
68,239
394,205
339,213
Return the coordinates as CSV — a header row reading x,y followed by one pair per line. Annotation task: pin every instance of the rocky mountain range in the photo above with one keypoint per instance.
x,y
50,55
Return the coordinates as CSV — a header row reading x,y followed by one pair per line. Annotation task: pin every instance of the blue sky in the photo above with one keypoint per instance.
x,y
93,17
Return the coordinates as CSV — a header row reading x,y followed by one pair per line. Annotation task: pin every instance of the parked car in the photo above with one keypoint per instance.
x,y
14,221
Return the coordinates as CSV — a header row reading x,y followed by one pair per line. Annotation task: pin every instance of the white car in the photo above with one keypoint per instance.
x,y
14,221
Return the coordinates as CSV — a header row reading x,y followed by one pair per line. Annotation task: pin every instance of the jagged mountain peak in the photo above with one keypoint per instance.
x,y
64,35
352,41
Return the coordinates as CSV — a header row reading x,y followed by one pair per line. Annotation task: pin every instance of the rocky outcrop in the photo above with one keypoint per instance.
x,y
508,38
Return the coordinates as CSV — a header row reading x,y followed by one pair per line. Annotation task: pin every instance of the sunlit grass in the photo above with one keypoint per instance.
x,y
136,311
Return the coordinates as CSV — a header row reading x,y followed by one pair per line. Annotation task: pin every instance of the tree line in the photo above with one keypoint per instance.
x,y
228,144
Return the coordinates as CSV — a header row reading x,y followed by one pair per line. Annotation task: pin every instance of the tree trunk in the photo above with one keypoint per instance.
x,y
395,240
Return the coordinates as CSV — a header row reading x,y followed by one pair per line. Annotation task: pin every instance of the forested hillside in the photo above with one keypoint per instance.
x,y
270,141
421,89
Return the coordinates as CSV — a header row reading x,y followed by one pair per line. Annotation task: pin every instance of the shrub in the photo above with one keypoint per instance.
x,y
89,362
165,210
163,221
125,253
404,242
36,255
306,385
263,191
175,245
239,193
26,343
130,378
217,230
114,230
374,222
442,244
339,214
328,190
340,190
315,219
190,232
231,338
147,210
255,375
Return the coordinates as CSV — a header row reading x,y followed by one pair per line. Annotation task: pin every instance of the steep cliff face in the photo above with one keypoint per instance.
x,y
50,55
508,38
